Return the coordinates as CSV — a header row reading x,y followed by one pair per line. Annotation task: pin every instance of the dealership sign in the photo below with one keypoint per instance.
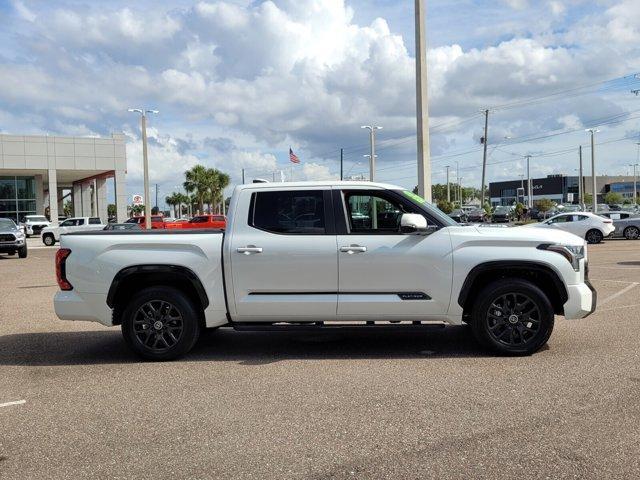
x,y
138,200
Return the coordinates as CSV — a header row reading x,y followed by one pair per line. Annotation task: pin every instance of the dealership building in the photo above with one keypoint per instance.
x,y
558,188
39,174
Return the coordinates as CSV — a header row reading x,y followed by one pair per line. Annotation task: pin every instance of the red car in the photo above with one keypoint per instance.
x,y
156,222
201,221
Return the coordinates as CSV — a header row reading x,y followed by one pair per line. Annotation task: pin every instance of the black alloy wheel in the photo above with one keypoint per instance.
x,y
513,319
158,325
631,233
594,236
512,316
161,323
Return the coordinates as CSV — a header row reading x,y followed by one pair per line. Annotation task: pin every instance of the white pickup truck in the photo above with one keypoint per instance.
x,y
51,235
319,255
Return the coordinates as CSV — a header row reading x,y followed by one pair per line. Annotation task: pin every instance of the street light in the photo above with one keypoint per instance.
x,y
372,144
593,131
145,164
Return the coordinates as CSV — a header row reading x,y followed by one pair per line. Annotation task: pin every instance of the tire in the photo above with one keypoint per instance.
x,y
631,233
594,236
22,252
49,240
527,327
165,335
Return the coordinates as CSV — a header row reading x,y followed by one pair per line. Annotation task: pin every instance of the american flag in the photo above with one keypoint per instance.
x,y
293,157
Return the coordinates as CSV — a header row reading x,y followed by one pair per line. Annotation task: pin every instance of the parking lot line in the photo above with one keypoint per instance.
x,y
17,402
617,294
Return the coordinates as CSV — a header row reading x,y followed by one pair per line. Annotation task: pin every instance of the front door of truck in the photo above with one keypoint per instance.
x,y
283,256
384,274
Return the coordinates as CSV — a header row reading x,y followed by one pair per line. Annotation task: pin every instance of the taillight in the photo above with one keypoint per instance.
x,y
608,221
61,269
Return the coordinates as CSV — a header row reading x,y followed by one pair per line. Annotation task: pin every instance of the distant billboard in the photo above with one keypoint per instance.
x,y
138,200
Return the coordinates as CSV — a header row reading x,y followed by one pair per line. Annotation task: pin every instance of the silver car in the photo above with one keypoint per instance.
x,y
627,224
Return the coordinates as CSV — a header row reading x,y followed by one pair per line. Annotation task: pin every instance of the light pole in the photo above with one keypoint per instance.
x,y
372,144
145,160
580,181
529,192
593,131
422,104
635,180
448,189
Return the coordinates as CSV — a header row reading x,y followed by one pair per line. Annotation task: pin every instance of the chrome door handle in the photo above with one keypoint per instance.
x,y
249,250
353,249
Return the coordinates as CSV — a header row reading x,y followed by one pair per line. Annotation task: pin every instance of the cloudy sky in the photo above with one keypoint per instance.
x,y
238,82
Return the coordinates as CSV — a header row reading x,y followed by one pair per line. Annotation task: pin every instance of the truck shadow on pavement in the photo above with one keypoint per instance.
x,y
248,348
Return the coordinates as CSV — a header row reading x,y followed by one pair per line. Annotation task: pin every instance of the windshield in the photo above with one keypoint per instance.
x,y
36,218
442,217
502,210
7,224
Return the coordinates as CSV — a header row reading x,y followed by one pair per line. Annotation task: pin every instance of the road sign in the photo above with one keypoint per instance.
x,y
569,197
138,200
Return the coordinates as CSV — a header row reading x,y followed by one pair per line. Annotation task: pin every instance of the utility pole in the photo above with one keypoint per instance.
x,y
145,163
484,155
580,181
593,131
461,191
372,145
529,192
635,180
458,182
341,164
422,104
448,189
157,207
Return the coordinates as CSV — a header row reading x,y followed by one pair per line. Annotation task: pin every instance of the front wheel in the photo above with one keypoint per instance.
x,y
49,240
631,233
22,252
160,323
594,236
512,317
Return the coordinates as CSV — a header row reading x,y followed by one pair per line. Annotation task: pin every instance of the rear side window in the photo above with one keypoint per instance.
x,y
199,220
218,218
80,221
156,219
94,221
289,212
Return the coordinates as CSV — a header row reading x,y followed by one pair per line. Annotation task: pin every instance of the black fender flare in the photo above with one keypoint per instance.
x,y
173,270
502,265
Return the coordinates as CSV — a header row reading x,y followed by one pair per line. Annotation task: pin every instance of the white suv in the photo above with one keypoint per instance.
x,y
51,235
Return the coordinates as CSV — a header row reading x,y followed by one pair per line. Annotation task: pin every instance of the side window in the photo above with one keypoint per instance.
x,y
94,221
373,214
67,223
218,218
80,221
579,218
292,212
199,220
560,219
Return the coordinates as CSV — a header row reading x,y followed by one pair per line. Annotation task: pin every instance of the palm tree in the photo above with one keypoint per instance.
x,y
222,182
173,200
197,183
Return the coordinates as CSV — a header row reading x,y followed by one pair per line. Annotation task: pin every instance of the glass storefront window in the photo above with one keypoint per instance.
x,y
7,188
17,197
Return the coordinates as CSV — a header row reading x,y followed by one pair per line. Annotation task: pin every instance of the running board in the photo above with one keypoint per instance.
x,y
371,326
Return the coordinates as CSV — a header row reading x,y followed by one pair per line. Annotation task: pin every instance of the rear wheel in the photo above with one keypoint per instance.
x,y
631,233
594,236
22,252
512,317
160,323
49,240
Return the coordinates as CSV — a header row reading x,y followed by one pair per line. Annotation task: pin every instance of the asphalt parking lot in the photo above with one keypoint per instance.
x,y
293,405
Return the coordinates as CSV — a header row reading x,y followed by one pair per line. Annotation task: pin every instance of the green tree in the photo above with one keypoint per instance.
x,y
612,197
68,208
446,207
588,198
544,205
197,182
137,209
519,210
111,210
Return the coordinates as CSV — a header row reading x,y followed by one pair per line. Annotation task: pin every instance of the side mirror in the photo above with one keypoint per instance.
x,y
413,223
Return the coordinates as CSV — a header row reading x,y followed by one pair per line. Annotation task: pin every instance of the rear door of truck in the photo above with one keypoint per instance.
x,y
283,255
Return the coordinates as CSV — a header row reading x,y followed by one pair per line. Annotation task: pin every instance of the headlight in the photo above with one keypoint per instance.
x,y
572,253
19,234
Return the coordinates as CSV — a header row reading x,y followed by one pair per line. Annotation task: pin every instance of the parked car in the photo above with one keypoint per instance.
x,y
156,222
33,224
12,238
292,257
477,215
51,235
593,228
627,224
502,214
201,221
122,226
459,215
